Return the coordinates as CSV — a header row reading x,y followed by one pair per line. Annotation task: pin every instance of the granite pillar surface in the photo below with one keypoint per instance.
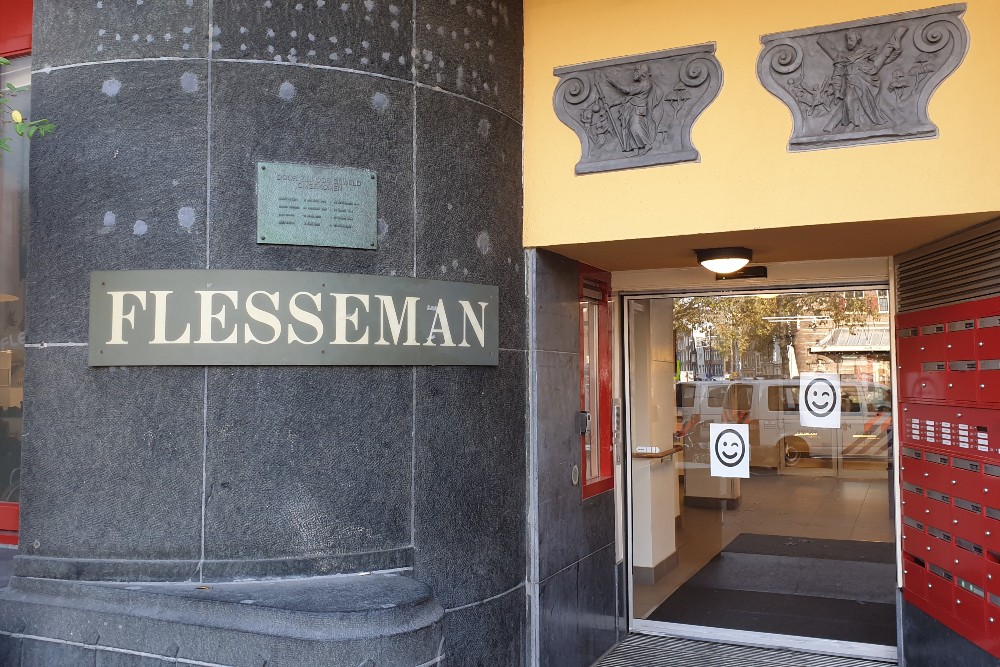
x,y
143,487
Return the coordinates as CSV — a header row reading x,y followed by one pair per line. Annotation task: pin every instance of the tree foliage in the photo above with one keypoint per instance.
x,y
10,115
741,324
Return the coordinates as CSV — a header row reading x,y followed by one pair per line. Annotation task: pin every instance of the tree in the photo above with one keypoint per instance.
x,y
745,324
10,115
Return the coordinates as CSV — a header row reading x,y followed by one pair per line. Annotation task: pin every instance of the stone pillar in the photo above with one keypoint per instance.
x,y
250,502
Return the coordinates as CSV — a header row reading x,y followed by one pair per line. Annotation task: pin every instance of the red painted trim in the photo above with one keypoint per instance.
x,y
605,481
15,28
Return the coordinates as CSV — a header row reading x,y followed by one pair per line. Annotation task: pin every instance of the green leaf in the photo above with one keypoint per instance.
x,y
3,144
32,130
11,86
4,61
19,128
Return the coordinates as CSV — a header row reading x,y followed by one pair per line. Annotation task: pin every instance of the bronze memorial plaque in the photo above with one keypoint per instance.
x,y
317,205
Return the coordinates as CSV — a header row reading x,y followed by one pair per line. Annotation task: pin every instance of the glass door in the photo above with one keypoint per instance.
x,y
759,431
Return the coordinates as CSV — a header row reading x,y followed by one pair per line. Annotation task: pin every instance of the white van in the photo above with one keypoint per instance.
x,y
699,402
777,439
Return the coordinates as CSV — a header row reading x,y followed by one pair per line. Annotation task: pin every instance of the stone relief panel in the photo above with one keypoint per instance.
x,y
637,111
866,81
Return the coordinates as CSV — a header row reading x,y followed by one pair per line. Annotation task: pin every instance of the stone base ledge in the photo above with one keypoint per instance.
x,y
374,620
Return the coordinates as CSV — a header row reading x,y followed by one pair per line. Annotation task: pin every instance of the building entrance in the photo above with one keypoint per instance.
x,y
759,430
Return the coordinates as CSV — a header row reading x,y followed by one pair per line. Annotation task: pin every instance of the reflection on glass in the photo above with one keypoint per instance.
x,y
591,385
13,219
741,360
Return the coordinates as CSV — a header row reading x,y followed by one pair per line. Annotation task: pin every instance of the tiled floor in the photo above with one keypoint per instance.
x,y
792,505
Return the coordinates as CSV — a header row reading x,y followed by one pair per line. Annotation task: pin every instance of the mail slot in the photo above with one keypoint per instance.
x,y
961,339
967,521
908,358
962,383
915,541
965,476
937,472
988,381
988,337
939,588
914,575
991,532
969,604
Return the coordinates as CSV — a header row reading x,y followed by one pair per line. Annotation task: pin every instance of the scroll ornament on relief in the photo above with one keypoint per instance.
x,y
637,111
865,81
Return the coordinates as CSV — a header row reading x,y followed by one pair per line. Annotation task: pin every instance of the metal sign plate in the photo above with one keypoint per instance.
x,y
283,318
304,204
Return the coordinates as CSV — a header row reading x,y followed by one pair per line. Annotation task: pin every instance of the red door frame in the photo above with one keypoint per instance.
x,y
605,480
15,41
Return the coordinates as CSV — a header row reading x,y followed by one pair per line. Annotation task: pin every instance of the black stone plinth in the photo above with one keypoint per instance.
x,y
377,619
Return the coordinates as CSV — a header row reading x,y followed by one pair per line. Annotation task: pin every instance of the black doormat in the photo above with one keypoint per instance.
x,y
696,603
807,547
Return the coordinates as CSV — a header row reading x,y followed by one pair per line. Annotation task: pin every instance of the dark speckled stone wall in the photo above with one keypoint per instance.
x,y
574,578
210,475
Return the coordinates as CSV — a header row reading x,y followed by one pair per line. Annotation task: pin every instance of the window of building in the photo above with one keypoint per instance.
x,y
883,300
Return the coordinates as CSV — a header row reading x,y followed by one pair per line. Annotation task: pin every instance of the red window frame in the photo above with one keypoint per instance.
x,y
15,41
605,479
15,28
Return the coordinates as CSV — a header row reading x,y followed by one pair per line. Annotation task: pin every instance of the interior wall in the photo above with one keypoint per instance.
x,y
746,179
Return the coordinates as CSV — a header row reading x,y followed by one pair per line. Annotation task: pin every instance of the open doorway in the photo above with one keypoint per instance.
x,y
794,544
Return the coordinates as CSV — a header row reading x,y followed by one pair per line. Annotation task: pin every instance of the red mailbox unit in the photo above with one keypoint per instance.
x,y
949,383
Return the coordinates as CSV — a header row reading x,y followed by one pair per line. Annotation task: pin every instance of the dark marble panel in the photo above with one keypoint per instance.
x,y
112,462
10,651
557,392
558,620
489,634
109,659
120,185
100,30
474,48
577,612
48,654
293,114
928,642
597,580
373,36
469,491
557,303
469,203
308,462
569,527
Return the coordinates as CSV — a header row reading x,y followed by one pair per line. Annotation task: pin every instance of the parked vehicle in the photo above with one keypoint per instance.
x,y
771,409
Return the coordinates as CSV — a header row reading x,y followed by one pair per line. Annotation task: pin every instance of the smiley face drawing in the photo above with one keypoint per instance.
x,y
730,448
820,398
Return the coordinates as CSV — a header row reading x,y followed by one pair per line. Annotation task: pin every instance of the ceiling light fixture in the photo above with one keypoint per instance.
x,y
724,260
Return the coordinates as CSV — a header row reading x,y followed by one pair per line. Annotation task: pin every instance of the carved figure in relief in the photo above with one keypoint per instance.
x,y
642,111
855,80
596,122
810,100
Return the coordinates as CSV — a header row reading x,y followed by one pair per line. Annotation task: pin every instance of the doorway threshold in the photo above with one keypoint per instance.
x,y
653,651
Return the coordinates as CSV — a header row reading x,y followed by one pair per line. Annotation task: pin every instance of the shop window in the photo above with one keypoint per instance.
x,y
595,382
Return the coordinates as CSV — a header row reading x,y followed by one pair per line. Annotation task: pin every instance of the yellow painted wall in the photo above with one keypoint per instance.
x,y
746,178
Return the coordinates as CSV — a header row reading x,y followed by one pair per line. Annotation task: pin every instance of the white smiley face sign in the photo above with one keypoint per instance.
x,y
819,400
730,450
